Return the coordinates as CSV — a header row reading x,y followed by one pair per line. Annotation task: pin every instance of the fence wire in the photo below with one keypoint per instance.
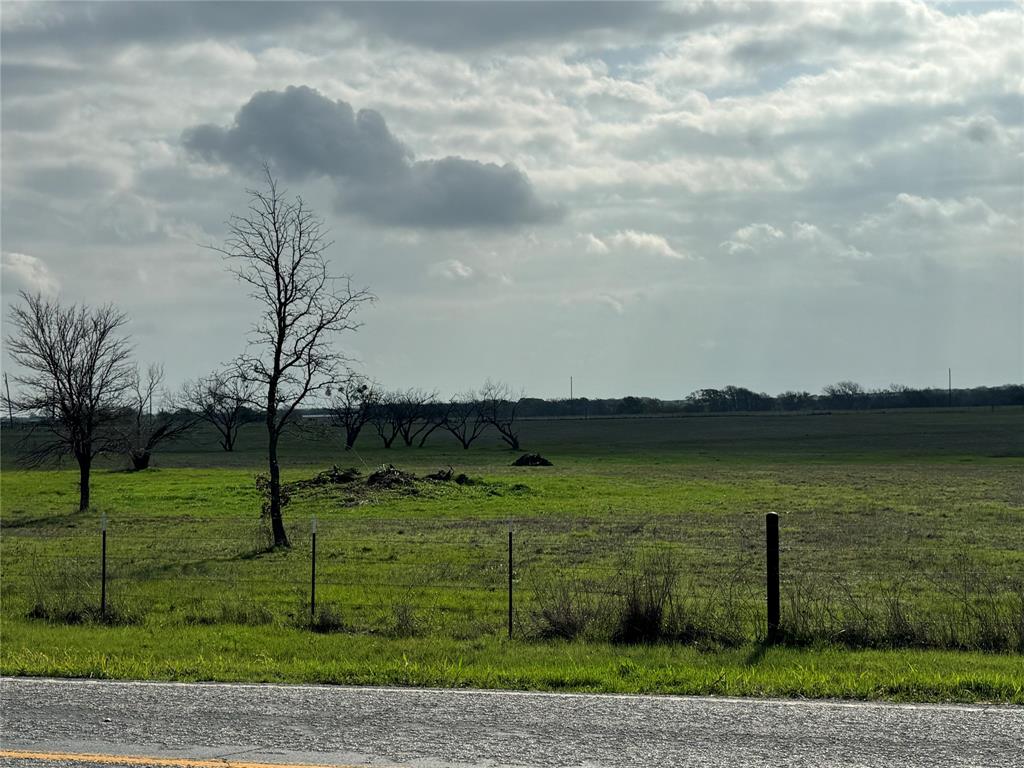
x,y
610,578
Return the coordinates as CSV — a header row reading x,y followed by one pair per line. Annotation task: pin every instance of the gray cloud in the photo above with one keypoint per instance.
x,y
301,133
304,134
460,26
437,25
91,24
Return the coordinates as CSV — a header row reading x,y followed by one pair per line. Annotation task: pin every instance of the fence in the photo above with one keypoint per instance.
x,y
730,580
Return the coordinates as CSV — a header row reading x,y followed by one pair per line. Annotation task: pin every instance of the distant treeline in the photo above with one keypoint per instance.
x,y
845,395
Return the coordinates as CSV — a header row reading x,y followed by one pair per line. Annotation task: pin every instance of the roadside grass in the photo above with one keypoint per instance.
x,y
248,654
897,529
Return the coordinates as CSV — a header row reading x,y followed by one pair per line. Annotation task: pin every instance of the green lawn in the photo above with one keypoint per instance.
x,y
899,529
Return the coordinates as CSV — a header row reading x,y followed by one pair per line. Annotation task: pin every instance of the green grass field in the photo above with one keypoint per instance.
x,y
902,535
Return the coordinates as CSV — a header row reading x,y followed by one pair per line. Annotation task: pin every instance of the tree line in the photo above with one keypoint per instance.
x,y
844,395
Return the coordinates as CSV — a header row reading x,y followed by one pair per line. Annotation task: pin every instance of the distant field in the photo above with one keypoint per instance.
x,y
901,528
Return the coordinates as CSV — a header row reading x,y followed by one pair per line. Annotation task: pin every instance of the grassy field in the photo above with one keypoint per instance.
x,y
902,533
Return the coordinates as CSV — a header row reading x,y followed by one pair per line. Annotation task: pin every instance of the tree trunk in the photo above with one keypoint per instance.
x,y
140,461
276,521
350,437
84,465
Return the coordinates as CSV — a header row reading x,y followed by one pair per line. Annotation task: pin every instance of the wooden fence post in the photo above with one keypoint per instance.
x,y
772,549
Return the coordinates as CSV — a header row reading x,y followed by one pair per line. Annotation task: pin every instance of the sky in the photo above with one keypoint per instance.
x,y
649,198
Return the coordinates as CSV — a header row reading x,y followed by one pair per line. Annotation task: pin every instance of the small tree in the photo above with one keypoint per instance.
x,y
278,249
385,415
76,372
140,430
352,406
499,405
224,400
465,419
416,414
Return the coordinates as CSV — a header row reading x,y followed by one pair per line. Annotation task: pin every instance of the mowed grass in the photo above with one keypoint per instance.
x,y
415,581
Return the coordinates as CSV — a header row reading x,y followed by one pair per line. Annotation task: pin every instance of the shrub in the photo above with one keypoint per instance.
x,y
565,607
648,582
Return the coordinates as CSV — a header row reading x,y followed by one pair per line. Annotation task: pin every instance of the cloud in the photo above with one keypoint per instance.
x,y
468,26
913,212
645,242
77,25
964,230
751,237
452,269
302,133
803,240
22,272
615,304
593,244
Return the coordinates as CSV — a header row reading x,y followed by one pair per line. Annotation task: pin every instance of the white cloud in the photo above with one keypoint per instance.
x,y
594,244
645,242
803,240
22,272
911,211
751,237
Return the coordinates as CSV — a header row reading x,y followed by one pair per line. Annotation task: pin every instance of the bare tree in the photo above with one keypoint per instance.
x,y
499,406
465,419
224,400
352,406
75,372
417,415
278,248
432,418
140,429
384,414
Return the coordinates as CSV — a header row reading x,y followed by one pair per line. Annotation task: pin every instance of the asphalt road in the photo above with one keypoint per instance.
x,y
205,725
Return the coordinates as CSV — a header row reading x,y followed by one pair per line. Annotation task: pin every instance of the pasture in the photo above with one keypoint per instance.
x,y
902,560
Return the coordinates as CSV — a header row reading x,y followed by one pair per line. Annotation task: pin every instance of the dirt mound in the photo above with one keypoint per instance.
x,y
531,460
390,476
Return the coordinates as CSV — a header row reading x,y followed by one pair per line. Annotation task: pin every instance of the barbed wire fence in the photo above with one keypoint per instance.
x,y
612,578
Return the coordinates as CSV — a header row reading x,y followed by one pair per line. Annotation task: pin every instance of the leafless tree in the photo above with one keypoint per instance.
x,y
465,419
75,373
140,429
499,405
417,414
278,249
384,415
352,406
224,400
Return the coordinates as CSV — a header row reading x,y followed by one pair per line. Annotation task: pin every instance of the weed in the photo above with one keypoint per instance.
x,y
647,584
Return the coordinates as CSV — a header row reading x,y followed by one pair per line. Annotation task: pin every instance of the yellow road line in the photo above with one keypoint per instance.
x,y
168,762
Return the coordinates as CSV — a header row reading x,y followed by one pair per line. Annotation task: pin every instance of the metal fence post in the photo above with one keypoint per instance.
x,y
312,572
103,565
772,549
510,581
